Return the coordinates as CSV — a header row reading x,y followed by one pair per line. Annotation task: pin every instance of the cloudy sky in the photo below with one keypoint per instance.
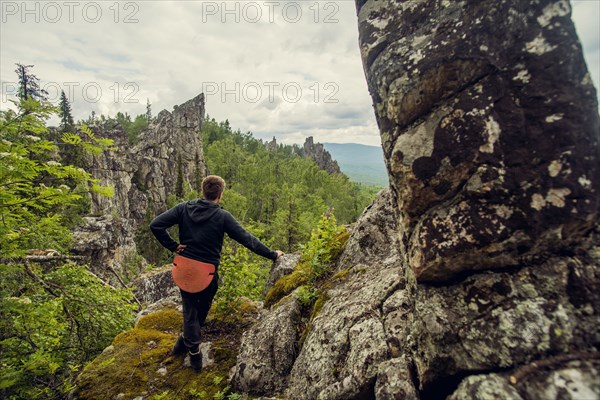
x,y
288,69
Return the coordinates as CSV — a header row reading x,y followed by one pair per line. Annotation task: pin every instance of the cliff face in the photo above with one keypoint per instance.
x,y
476,275
146,173
143,177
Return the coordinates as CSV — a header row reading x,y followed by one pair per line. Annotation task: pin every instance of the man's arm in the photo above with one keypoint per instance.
x,y
239,234
160,224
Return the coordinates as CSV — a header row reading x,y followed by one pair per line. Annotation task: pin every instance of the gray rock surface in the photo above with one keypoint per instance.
x,y
268,350
489,123
282,266
574,380
394,381
108,245
145,174
486,387
493,321
374,238
155,285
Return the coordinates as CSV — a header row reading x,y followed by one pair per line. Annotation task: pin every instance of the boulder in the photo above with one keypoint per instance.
x,y
268,350
107,244
374,238
155,285
489,124
282,266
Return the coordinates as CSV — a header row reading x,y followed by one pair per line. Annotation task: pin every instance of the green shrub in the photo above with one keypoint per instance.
x,y
326,244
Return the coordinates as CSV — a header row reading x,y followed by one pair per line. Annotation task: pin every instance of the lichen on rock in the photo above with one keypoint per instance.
x,y
445,99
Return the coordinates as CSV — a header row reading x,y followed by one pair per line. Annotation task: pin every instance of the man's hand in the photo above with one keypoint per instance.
x,y
180,248
279,253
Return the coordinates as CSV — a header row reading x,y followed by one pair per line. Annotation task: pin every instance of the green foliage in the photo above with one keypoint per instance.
x,y
56,317
180,178
148,111
325,245
134,128
146,243
54,321
285,192
64,111
37,189
29,84
305,295
243,274
318,256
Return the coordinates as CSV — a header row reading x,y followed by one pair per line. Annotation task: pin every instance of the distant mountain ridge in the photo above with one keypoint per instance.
x,y
360,162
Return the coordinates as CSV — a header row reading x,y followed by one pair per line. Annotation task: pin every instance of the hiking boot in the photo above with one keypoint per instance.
x,y
196,360
179,348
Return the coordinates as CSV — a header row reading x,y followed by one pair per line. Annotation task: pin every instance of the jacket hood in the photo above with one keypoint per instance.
x,y
201,210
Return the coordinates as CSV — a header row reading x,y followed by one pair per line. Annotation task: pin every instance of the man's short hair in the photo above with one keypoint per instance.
x,y
212,186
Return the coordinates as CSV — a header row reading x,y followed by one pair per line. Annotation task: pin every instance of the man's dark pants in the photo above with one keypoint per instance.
x,y
195,310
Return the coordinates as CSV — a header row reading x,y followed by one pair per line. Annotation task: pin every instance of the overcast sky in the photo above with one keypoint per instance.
x,y
289,69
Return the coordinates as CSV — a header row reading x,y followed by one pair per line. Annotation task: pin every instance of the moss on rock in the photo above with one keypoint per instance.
x,y
169,321
305,273
138,363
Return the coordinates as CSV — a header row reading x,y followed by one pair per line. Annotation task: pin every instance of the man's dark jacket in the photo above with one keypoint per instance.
x,y
202,225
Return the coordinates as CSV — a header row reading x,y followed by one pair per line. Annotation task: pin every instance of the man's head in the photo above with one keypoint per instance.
x,y
212,187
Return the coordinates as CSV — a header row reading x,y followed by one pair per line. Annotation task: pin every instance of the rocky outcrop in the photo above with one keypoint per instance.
x,y
106,242
272,145
341,356
477,274
143,177
321,157
374,238
145,174
268,350
489,124
155,285
283,266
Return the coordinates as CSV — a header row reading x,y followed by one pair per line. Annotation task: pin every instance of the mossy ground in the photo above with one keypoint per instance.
x,y
131,365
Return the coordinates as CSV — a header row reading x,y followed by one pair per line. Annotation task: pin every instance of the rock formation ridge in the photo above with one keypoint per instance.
x,y
143,177
317,153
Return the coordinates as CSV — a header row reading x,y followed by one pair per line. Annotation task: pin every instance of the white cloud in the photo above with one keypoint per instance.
x,y
178,48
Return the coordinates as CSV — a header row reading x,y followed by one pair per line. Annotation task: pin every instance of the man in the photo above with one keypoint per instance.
x,y
202,226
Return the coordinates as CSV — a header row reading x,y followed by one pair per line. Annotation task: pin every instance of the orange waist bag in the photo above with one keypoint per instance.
x,y
190,275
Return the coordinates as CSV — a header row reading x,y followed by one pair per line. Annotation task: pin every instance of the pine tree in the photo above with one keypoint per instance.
x,y
148,111
66,119
29,84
